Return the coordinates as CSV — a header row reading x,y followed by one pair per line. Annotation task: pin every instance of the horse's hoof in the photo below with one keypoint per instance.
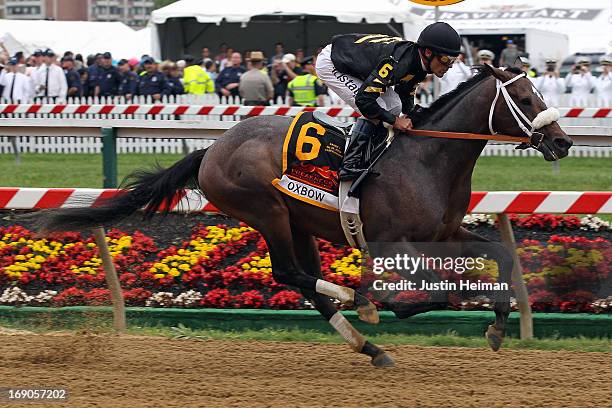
x,y
382,360
495,337
368,313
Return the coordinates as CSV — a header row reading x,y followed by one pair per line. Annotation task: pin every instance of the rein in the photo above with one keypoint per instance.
x,y
468,136
532,138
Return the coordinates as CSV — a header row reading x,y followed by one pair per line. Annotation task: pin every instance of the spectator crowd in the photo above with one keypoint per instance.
x,y
252,79
580,82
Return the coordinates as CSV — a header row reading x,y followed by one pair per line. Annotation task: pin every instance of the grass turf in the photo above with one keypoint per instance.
x,y
491,173
443,340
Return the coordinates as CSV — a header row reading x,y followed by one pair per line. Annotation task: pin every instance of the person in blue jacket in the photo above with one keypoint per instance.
x,y
153,82
108,77
128,87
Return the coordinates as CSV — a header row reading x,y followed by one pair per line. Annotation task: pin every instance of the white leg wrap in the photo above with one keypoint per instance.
x,y
347,331
341,293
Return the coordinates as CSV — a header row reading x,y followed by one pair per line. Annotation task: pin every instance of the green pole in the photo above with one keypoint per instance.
x,y
109,157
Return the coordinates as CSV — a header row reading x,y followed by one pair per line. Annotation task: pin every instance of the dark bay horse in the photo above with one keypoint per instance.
x,y
422,194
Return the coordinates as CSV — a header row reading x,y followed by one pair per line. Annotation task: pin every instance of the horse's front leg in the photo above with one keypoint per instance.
x,y
477,246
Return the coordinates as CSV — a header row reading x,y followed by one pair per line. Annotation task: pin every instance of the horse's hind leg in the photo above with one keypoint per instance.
x,y
274,225
308,258
496,251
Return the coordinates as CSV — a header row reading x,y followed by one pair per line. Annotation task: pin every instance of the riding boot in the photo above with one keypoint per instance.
x,y
362,131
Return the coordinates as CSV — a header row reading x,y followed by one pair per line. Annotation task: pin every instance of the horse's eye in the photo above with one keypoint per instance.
x,y
526,101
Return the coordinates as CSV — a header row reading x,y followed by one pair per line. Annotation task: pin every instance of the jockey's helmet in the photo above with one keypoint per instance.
x,y
440,38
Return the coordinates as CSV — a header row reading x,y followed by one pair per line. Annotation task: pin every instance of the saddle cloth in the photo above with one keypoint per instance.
x,y
312,155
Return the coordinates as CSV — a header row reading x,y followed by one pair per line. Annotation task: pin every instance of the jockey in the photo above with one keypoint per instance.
x,y
378,74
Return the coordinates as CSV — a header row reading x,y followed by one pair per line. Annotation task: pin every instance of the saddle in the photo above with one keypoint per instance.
x,y
313,150
375,145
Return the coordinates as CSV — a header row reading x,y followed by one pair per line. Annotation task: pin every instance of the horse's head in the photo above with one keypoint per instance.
x,y
519,110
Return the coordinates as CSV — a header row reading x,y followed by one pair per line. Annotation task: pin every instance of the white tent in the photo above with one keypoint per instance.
x,y
587,24
82,37
187,25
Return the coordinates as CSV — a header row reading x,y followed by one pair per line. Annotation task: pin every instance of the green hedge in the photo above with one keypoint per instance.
x,y
466,324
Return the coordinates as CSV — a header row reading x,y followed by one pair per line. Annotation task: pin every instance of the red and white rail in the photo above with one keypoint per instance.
x,y
222,110
498,202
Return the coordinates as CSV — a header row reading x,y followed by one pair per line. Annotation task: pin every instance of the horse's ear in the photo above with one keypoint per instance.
x,y
497,73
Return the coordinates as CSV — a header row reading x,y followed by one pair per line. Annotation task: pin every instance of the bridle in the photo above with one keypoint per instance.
x,y
532,139
543,118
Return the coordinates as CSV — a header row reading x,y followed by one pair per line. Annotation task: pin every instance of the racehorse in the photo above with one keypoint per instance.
x,y
422,193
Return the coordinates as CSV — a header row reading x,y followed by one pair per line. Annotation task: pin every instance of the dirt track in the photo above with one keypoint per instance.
x,y
108,371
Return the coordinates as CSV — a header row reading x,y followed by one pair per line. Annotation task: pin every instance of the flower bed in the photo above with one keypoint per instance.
x,y
224,266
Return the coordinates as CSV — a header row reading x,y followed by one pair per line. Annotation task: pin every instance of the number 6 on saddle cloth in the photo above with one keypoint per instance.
x,y
312,154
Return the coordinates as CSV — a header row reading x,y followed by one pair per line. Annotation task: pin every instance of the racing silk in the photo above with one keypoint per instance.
x,y
381,61
197,81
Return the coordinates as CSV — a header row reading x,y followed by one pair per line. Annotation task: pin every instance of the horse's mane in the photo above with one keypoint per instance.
x,y
424,114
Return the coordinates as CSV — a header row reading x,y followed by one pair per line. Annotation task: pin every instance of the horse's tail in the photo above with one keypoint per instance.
x,y
150,190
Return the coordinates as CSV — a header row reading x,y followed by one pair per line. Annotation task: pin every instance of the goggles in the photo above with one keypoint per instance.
x,y
446,59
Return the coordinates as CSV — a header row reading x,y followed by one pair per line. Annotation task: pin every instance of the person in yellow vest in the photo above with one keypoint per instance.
x,y
196,80
306,89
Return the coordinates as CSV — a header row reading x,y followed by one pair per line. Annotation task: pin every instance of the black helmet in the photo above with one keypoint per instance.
x,y
442,38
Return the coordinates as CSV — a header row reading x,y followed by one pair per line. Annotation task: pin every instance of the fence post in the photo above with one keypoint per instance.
x,y
112,280
109,157
522,297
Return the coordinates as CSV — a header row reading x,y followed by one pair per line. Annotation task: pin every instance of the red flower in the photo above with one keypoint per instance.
x,y
285,299
219,298
252,299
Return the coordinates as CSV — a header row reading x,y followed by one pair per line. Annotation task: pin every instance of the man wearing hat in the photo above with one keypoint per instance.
x,y
604,82
196,80
36,60
581,81
485,57
283,71
525,66
108,77
256,87
128,87
153,82
306,89
50,81
550,85
509,54
17,87
73,79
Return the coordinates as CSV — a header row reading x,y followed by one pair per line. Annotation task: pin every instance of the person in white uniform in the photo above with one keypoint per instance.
x,y
581,81
550,85
456,74
485,57
50,79
604,83
17,86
